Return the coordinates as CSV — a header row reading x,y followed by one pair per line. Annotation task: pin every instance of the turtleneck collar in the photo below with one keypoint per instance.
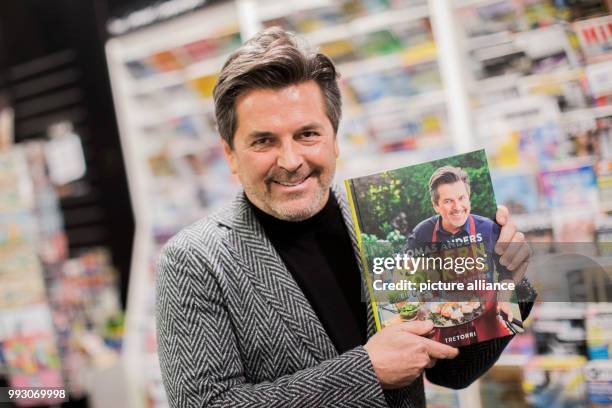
x,y
328,213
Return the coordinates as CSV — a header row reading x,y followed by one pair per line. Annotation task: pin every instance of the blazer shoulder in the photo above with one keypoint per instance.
x,y
202,235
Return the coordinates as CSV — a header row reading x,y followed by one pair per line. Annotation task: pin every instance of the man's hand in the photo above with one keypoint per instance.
x,y
511,245
399,353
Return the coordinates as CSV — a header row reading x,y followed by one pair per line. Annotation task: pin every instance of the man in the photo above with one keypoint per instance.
x,y
259,305
455,226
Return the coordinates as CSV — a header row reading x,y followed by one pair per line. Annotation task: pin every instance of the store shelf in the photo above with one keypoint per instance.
x,y
475,3
512,360
367,24
413,103
596,112
156,82
161,116
207,67
273,10
406,58
508,37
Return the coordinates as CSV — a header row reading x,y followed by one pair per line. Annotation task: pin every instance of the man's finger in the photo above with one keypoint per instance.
x,y
520,257
502,214
439,350
432,362
417,327
520,272
505,237
512,250
505,307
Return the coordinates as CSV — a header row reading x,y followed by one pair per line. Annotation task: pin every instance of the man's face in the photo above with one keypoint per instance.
x,y
453,204
284,150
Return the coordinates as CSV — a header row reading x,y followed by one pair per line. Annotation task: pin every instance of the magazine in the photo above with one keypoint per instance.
x,y
517,190
427,235
569,184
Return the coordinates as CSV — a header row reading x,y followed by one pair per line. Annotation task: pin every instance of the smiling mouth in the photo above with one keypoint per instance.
x,y
291,184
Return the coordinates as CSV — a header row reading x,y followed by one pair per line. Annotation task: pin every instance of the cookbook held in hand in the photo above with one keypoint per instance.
x,y
427,235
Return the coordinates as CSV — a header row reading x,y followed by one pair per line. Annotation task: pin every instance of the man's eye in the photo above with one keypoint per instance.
x,y
262,141
309,133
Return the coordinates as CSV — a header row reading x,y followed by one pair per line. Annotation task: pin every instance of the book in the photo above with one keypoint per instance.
x,y
427,234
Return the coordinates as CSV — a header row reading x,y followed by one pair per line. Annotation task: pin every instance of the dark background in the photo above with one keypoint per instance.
x,y
52,67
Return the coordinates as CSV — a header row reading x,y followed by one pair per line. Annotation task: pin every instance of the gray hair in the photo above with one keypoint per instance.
x,y
447,175
272,59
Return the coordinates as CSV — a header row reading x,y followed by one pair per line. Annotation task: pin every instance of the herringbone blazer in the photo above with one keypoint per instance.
x,y
235,330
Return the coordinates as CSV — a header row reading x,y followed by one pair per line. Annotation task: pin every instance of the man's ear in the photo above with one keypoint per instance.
x,y
230,156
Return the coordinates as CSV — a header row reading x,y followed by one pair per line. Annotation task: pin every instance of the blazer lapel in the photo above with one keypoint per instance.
x,y
348,221
258,258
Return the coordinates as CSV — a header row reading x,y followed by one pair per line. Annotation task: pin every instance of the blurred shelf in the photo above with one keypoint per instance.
x,y
532,42
427,53
515,80
156,82
161,116
512,360
414,103
533,221
489,40
271,10
560,75
210,66
367,24
599,58
596,112
475,3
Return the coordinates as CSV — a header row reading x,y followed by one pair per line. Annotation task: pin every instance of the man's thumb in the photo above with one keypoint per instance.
x,y
418,327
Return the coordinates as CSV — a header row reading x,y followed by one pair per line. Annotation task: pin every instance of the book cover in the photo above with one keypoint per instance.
x,y
426,235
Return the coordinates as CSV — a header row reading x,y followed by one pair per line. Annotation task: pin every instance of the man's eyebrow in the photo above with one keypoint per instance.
x,y
310,126
260,134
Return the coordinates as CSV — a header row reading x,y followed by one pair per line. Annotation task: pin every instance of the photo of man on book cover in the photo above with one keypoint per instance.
x,y
428,238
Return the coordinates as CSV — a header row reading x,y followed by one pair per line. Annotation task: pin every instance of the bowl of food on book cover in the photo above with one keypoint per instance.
x,y
457,323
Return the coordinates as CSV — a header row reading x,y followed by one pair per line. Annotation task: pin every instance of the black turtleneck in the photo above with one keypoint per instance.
x,y
319,254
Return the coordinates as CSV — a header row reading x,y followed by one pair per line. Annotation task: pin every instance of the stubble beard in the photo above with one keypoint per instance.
x,y
284,209
464,216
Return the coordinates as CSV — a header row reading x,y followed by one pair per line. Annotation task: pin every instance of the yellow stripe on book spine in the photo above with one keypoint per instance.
x,y
364,262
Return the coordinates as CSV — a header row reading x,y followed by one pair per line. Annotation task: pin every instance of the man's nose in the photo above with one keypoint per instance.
x,y
289,157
